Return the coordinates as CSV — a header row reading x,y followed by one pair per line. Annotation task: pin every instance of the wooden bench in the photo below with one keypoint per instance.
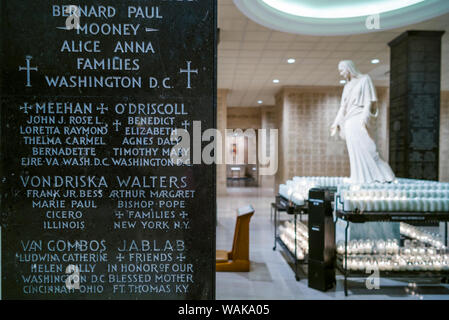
x,y
237,260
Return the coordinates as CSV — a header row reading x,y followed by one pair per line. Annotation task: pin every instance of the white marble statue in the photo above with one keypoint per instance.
x,y
351,124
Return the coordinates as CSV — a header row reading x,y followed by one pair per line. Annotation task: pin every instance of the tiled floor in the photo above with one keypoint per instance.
x,y
272,278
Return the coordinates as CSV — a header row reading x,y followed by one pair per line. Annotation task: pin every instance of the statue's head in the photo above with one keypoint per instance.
x,y
348,69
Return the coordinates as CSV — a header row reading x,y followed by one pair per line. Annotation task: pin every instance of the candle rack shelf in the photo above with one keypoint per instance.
x,y
294,210
392,274
357,216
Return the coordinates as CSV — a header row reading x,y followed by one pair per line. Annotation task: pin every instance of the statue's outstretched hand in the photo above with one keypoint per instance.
x,y
334,129
364,126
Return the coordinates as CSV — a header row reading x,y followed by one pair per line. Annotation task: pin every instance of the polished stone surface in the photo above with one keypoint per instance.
x,y
414,119
89,188
272,278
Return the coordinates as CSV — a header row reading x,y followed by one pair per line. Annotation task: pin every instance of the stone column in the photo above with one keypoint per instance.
x,y
268,121
222,106
415,78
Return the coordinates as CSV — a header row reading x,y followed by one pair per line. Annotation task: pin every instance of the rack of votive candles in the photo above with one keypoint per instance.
x,y
419,197
297,189
285,190
322,181
400,183
422,236
413,257
287,235
398,263
368,246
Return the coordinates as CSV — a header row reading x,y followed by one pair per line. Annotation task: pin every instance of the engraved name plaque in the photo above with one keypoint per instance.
x,y
93,205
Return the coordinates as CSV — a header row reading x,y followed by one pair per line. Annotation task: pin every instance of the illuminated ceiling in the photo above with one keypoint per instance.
x,y
252,56
339,17
338,9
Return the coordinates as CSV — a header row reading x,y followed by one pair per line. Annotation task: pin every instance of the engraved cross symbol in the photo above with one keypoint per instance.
x,y
181,257
117,124
102,108
28,68
120,257
186,124
119,214
183,214
188,71
25,107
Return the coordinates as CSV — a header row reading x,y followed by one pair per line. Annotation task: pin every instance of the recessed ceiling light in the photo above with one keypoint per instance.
x,y
342,81
260,102
276,81
291,60
375,61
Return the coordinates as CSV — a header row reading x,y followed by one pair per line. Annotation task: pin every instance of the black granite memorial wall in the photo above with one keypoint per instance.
x,y
415,76
93,205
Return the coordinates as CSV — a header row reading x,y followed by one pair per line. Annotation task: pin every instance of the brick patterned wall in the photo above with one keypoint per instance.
x,y
282,125
305,115
268,117
244,118
444,137
221,126
268,121
294,109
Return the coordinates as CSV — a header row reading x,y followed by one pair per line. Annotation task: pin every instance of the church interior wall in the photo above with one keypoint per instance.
x,y
306,147
444,137
303,116
221,126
